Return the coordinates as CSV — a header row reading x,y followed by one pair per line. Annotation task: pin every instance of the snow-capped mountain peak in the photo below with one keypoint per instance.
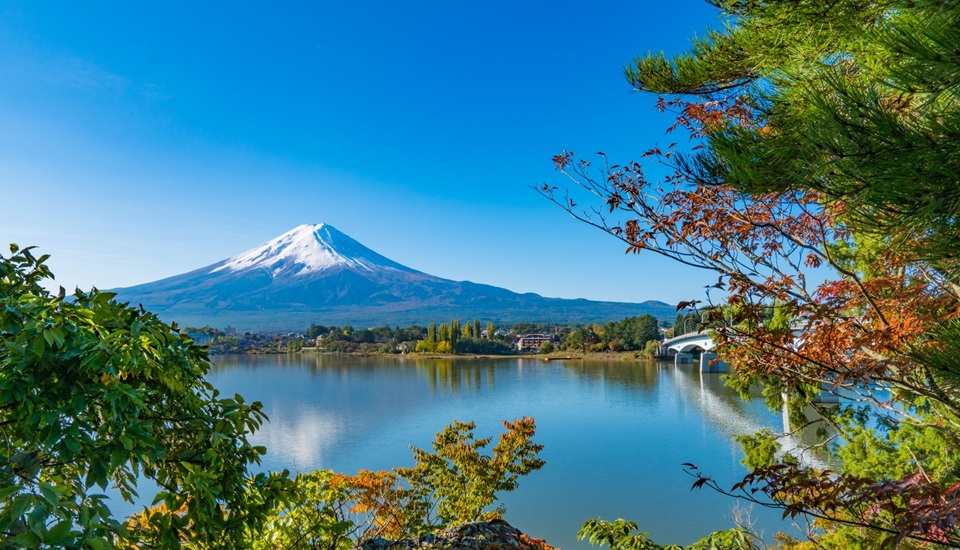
x,y
306,249
315,273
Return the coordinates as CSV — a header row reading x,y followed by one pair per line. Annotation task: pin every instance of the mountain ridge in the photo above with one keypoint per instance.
x,y
316,274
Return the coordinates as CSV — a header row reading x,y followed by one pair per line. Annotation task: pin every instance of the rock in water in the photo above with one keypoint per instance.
x,y
484,535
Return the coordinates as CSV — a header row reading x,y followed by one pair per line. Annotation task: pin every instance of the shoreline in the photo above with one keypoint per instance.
x,y
546,357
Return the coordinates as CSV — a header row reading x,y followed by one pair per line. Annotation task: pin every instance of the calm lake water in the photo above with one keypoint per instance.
x,y
615,433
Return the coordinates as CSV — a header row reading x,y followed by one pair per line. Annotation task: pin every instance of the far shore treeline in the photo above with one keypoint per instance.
x,y
640,334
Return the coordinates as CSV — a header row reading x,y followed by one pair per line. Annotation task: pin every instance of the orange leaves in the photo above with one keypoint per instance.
x,y
454,484
907,508
158,524
377,495
531,543
614,201
856,327
700,118
514,453
562,160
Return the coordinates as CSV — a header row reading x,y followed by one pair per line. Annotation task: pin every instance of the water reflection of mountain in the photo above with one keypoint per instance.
x,y
317,402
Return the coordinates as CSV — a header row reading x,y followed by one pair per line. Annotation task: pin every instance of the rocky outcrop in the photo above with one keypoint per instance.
x,y
485,535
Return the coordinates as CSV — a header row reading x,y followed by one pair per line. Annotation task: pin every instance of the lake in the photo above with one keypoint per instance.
x,y
615,433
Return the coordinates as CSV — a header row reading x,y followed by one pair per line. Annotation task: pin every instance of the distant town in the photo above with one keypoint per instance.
x,y
640,335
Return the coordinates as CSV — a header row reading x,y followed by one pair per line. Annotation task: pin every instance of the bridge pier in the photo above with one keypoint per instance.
x,y
683,343
718,365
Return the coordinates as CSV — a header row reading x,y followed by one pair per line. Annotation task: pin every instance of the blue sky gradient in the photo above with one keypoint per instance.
x,y
140,140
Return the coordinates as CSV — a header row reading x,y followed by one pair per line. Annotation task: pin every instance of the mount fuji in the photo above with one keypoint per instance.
x,y
316,274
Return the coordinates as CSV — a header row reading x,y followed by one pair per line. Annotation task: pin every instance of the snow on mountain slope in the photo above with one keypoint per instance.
x,y
307,249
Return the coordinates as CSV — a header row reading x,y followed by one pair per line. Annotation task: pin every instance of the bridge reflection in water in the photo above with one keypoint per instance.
x,y
723,409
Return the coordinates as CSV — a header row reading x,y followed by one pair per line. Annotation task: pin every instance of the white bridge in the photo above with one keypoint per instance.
x,y
689,342
683,346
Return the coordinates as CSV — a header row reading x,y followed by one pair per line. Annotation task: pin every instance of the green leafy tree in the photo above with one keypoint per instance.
x,y
580,338
632,333
429,342
315,330
457,482
454,336
94,393
622,535
315,515
491,331
651,348
461,480
825,136
525,328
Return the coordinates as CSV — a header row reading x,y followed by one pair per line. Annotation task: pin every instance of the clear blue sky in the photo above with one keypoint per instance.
x,y
142,140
